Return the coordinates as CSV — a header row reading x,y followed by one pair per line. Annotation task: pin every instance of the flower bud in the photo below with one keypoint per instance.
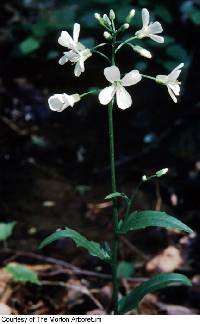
x,y
106,20
97,16
144,178
126,26
132,13
162,172
142,51
112,14
130,16
107,35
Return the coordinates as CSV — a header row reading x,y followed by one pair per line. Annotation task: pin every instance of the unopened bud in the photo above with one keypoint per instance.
x,y
132,13
144,178
142,51
97,16
126,26
130,16
162,172
112,14
107,35
106,20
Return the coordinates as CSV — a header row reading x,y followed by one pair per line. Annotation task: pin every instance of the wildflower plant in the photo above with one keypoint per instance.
x,y
116,90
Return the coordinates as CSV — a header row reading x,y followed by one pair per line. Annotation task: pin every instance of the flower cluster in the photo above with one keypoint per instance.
x,y
77,54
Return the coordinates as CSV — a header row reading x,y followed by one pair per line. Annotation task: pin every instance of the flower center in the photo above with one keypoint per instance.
x,y
117,83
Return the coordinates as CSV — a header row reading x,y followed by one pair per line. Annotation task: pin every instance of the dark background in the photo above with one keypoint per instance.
x,y
54,168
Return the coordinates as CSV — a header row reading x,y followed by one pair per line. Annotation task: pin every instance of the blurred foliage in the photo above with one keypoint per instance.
x,y
21,273
6,230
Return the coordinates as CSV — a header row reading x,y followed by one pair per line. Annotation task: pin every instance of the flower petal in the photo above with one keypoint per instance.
x,y
175,88
106,95
68,56
66,40
64,59
112,73
76,32
78,69
156,38
145,17
155,28
124,100
173,76
131,78
172,95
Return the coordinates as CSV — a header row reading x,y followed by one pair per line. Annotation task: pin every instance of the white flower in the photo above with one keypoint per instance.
x,y
59,102
173,85
150,29
112,74
78,54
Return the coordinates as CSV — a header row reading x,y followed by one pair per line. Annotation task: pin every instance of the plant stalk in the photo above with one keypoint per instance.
x,y
115,211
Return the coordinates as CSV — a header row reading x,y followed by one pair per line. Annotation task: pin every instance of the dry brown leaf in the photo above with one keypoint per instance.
x,y
5,309
148,306
96,312
167,261
176,309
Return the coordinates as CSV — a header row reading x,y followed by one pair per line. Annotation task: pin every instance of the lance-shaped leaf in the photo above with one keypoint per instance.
x,y
146,218
93,248
117,195
159,281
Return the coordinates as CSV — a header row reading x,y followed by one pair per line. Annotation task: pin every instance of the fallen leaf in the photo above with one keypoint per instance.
x,y
167,261
5,309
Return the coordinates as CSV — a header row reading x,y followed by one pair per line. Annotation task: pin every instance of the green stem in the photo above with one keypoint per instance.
x,y
125,42
101,54
88,93
115,211
148,77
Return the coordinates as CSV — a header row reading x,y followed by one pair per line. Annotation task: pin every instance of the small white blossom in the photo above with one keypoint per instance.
x,y
150,29
142,51
78,54
112,74
59,102
173,85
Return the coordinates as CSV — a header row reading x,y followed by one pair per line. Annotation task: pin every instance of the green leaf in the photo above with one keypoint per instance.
x,y
21,273
62,18
164,14
195,17
142,219
93,248
6,230
177,52
29,45
125,269
159,281
116,195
